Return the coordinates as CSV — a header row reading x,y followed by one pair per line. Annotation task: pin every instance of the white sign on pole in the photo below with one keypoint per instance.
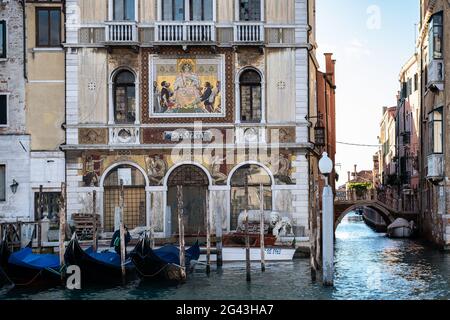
x,y
125,175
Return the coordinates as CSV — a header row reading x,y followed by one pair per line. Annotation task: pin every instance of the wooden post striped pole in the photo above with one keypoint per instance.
x,y
247,237
261,206
122,233
208,235
94,221
62,225
181,231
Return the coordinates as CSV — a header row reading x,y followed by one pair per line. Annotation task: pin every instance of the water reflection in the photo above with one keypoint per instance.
x,y
368,266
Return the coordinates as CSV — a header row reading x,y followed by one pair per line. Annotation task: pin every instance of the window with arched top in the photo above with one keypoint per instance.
x,y
250,96
124,97
246,191
250,10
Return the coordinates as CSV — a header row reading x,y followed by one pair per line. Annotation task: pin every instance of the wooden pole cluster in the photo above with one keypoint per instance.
x,y
41,213
181,231
261,206
62,224
122,232
94,221
247,237
208,235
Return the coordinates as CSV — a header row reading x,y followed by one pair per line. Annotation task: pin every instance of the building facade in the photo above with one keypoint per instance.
x,y
191,93
14,140
433,47
407,138
45,104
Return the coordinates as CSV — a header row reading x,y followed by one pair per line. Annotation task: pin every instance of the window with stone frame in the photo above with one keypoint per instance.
x,y
201,10
2,182
250,10
435,132
250,96
3,45
48,27
173,10
124,97
3,110
124,10
435,38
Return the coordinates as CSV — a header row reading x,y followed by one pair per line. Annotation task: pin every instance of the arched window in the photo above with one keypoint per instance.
x,y
250,91
123,10
124,97
240,199
250,10
134,197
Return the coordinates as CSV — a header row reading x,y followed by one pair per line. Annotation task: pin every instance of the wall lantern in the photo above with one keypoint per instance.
x,y
14,186
319,131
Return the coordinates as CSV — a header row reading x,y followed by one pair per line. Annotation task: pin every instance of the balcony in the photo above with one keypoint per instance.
x,y
249,32
121,32
435,167
176,31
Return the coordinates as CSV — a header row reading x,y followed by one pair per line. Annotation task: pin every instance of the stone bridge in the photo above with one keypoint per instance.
x,y
348,201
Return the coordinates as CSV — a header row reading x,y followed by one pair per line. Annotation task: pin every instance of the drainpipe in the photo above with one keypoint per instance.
x,y
25,75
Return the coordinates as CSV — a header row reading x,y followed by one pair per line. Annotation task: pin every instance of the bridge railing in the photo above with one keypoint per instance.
x,y
356,195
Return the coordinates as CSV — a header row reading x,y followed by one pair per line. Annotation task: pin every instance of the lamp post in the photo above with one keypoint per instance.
x,y
326,167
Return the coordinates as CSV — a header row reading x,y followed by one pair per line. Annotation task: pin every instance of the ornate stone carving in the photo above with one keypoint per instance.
x,y
216,172
156,169
92,169
124,135
282,170
92,136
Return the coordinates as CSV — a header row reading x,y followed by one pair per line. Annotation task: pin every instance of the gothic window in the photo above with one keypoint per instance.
x,y
124,97
250,92
250,10
173,10
48,27
124,10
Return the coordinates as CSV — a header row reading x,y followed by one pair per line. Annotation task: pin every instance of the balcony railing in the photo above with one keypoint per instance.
x,y
121,31
249,32
176,31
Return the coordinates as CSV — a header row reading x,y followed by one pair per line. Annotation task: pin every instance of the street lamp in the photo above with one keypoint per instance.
x,y
14,186
326,167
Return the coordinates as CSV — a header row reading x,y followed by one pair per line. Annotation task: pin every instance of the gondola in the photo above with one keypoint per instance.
x,y
96,267
163,263
25,268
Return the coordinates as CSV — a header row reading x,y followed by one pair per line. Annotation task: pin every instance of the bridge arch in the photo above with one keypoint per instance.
x,y
383,212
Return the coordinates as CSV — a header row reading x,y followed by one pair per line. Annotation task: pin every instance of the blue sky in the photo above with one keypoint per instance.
x,y
371,41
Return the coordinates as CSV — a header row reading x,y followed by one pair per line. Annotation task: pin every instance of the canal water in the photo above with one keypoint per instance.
x,y
369,266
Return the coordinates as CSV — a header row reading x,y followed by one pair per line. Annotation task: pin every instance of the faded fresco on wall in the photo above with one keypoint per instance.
x,y
188,86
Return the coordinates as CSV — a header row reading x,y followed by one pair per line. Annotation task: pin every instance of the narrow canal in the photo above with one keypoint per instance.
x,y
368,266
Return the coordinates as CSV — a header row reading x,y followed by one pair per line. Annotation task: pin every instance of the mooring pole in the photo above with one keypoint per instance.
x,y
328,235
62,226
208,235
261,206
247,237
122,233
181,230
41,213
94,221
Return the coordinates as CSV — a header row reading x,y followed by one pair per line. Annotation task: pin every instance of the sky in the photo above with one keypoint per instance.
x,y
371,41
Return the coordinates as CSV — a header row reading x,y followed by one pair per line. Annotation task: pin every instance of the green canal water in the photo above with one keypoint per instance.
x,y
369,266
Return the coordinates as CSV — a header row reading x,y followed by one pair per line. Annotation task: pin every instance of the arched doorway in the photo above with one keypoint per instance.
x,y
255,175
195,184
134,197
